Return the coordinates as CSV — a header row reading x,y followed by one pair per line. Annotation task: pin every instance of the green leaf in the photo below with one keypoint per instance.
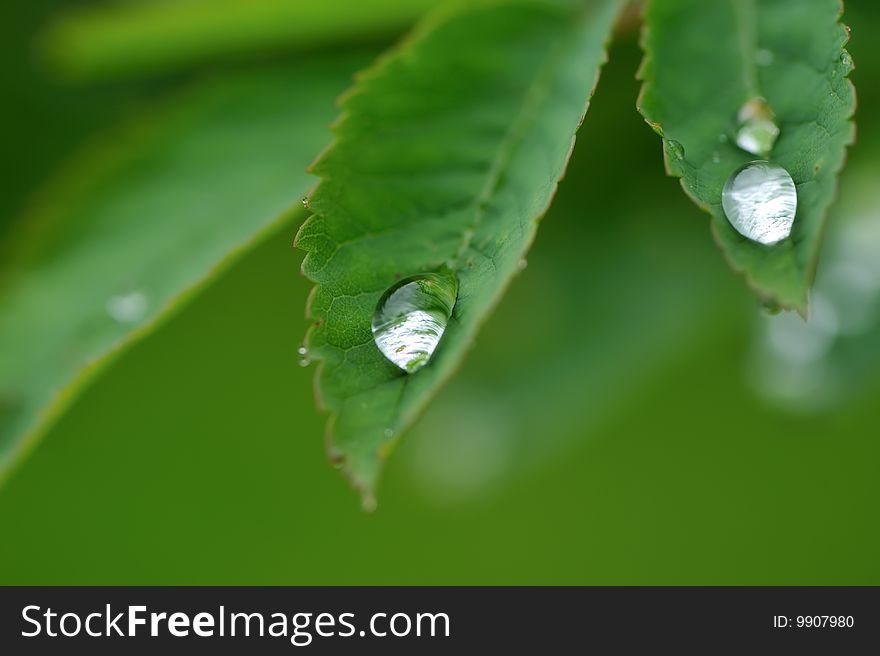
x,y
703,61
140,221
448,152
131,38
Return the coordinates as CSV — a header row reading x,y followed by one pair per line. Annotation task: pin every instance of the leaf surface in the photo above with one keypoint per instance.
x,y
142,219
703,61
447,153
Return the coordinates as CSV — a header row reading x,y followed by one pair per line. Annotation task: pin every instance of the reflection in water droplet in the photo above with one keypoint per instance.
x,y
757,130
763,57
127,308
847,61
760,201
675,148
411,316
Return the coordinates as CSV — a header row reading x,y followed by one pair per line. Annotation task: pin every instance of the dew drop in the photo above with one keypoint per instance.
x,y
847,61
127,308
411,316
388,433
675,148
302,350
305,202
764,57
756,130
522,264
760,201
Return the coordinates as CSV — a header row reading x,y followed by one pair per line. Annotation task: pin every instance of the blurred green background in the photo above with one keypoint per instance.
x,y
626,417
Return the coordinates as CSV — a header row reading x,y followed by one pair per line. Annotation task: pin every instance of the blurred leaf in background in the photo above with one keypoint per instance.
x,y
143,218
606,428
140,37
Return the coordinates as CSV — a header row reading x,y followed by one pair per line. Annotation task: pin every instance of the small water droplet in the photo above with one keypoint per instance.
x,y
675,148
302,350
305,202
388,433
757,130
127,308
847,61
760,201
522,264
305,362
411,316
764,57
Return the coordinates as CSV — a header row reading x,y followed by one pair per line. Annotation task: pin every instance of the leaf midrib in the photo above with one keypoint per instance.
x,y
535,94
747,41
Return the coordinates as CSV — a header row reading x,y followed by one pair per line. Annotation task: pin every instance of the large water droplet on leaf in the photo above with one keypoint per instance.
x,y
760,201
411,316
757,130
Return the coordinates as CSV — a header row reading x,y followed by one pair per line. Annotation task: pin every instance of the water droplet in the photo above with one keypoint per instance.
x,y
305,362
411,316
675,148
127,308
760,201
763,57
302,350
305,202
388,433
757,130
847,61
522,264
